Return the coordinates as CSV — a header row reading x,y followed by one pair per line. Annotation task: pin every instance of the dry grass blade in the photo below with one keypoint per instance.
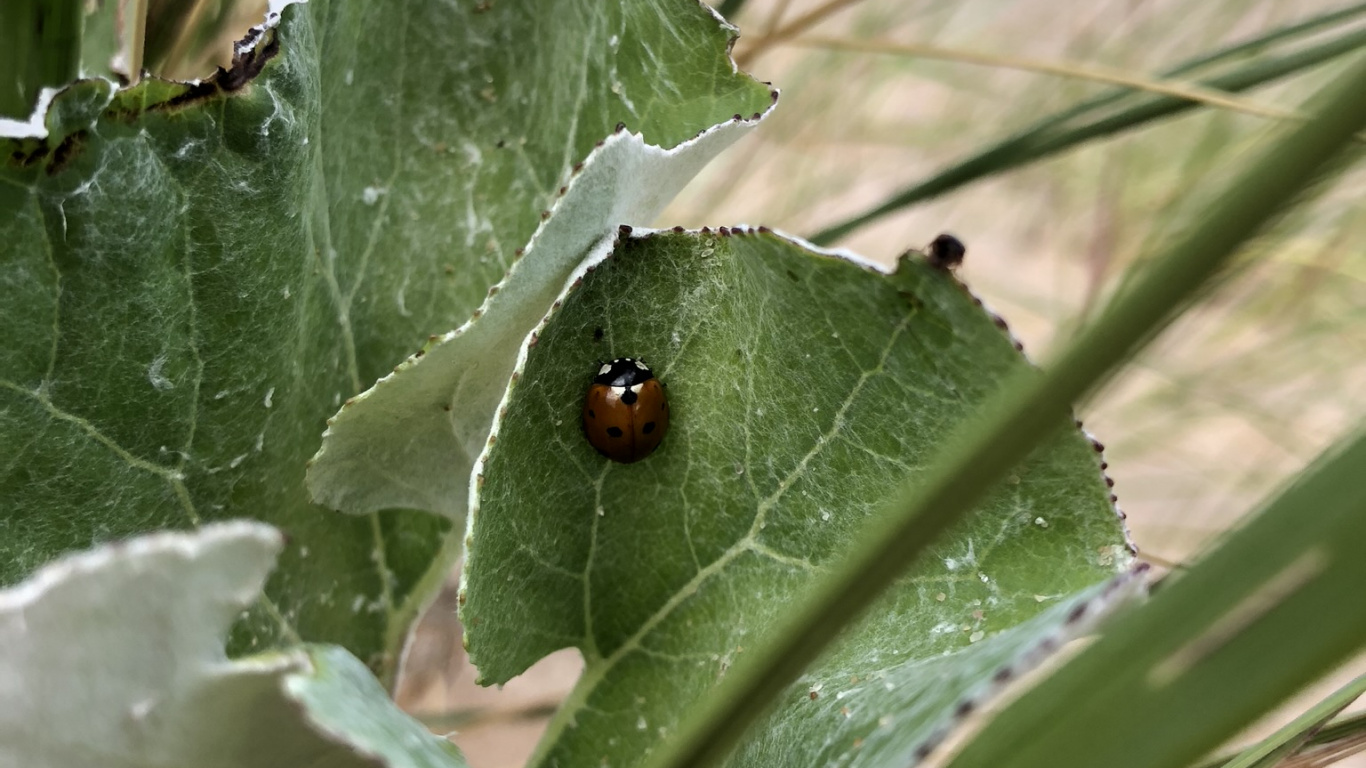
x,y
788,31
1182,90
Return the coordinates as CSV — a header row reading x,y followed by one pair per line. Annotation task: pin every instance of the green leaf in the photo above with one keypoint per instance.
x,y
127,641
1209,652
176,343
804,389
196,276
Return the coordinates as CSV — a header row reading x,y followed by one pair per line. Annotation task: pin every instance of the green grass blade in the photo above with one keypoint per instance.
x,y
1281,34
1338,740
40,46
1293,735
1340,729
1022,415
1051,135
1208,654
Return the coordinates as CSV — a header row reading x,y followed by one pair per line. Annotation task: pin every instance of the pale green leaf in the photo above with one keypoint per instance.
x,y
804,389
344,701
115,657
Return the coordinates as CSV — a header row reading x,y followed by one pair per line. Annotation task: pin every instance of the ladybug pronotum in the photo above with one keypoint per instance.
x,y
626,412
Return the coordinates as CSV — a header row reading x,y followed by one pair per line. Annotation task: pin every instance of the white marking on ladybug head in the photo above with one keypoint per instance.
x,y
618,391
636,389
641,366
605,368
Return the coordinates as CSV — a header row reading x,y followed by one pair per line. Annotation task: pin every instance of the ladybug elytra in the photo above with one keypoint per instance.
x,y
626,412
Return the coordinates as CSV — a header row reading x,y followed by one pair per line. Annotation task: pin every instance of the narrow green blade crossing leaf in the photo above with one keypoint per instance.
x,y
804,389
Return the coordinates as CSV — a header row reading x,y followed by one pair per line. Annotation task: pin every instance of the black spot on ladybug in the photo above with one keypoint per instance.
x,y
648,428
614,431
946,252
629,397
592,415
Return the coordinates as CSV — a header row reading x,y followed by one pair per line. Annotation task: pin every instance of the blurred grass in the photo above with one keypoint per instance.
x,y
180,39
1227,404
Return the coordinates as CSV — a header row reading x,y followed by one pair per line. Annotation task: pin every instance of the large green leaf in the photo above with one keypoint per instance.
x,y
805,389
196,276
155,687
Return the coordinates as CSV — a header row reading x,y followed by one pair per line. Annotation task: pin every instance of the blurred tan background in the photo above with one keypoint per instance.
x,y
1237,397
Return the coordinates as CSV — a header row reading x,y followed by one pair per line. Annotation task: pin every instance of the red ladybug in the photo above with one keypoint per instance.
x,y
626,413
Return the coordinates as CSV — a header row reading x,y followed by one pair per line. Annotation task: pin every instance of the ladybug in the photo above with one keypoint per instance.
x,y
626,413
